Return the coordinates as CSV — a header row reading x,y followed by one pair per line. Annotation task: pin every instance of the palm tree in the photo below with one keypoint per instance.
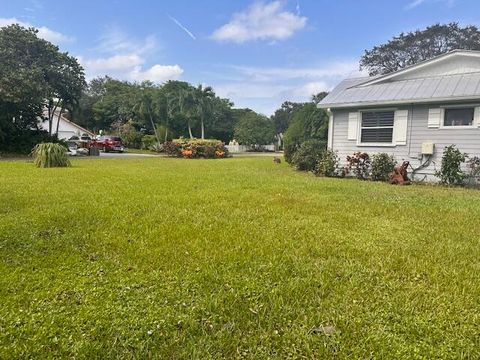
x,y
144,106
203,100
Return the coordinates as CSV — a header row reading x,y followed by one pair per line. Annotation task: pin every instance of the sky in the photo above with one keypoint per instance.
x,y
256,53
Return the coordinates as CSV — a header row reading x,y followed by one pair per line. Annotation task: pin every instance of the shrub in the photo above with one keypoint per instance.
x,y
360,164
48,155
327,165
308,154
172,149
450,173
22,141
473,165
149,142
382,165
288,152
196,148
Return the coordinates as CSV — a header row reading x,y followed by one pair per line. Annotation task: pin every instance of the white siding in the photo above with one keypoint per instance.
x,y
418,132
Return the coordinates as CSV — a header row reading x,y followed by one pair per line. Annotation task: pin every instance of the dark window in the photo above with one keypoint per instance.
x,y
458,117
377,126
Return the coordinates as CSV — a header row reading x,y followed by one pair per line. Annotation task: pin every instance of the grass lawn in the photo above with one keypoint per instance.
x,y
173,258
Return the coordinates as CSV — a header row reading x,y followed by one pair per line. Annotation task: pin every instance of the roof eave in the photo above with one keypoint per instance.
x,y
397,102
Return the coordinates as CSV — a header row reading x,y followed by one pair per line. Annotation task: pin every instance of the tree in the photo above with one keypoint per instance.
x,y
222,120
254,129
309,123
316,98
145,96
203,100
83,114
116,105
33,73
413,47
283,116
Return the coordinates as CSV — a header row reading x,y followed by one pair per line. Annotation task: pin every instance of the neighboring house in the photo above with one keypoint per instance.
x,y
66,128
412,113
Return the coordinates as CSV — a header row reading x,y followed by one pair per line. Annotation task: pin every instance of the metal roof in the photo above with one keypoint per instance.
x,y
423,90
391,89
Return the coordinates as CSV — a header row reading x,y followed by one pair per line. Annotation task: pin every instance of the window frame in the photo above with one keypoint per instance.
x,y
457,107
376,144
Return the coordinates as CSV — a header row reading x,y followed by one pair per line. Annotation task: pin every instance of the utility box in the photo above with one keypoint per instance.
x,y
94,151
427,148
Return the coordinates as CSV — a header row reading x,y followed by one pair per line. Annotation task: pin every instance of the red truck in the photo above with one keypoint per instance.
x,y
108,143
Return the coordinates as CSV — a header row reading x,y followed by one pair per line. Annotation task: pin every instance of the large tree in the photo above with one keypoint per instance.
x,y
309,123
33,74
283,116
413,47
254,129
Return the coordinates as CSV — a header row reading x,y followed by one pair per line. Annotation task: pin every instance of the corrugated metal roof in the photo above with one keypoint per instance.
x,y
453,87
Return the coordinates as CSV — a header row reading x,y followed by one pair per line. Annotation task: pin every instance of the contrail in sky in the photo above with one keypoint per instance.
x,y
182,27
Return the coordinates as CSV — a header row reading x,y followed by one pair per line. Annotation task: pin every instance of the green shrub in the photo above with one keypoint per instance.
x,y
359,163
451,173
15,141
288,152
48,155
327,164
196,148
308,154
382,165
473,175
149,142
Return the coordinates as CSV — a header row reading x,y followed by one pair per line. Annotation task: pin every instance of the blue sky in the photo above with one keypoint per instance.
x,y
257,53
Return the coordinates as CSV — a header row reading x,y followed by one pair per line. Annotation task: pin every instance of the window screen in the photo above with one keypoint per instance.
x,y
377,126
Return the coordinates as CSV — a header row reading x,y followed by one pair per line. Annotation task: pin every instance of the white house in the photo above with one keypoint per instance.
x,y
66,128
411,114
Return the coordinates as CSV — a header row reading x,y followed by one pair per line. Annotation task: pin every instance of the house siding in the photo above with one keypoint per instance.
x,y
466,139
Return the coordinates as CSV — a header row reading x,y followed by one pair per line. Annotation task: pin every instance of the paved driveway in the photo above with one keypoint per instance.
x,y
125,155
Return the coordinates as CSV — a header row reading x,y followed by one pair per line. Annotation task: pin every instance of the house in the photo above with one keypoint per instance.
x,y
66,128
411,114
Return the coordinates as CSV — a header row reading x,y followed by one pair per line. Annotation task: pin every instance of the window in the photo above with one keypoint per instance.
x,y
377,127
459,117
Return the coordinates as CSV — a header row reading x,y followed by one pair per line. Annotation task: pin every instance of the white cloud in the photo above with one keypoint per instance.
x,y
157,73
311,88
264,89
415,3
43,31
129,67
261,21
112,64
336,69
127,58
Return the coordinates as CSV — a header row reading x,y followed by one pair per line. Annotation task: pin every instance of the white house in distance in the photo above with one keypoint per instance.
x,y
411,114
66,128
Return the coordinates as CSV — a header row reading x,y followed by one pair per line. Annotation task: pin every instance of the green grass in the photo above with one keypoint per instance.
x,y
235,258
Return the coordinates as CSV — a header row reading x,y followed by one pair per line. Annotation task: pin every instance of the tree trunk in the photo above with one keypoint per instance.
x,y
49,118
58,120
153,126
51,114
190,130
203,129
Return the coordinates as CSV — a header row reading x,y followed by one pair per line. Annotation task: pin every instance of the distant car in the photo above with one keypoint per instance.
x,y
85,138
109,143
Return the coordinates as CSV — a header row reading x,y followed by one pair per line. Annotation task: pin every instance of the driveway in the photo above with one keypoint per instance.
x,y
124,155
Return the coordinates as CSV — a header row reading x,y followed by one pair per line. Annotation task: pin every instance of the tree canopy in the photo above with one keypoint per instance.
x,y
34,75
254,129
413,47
309,123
